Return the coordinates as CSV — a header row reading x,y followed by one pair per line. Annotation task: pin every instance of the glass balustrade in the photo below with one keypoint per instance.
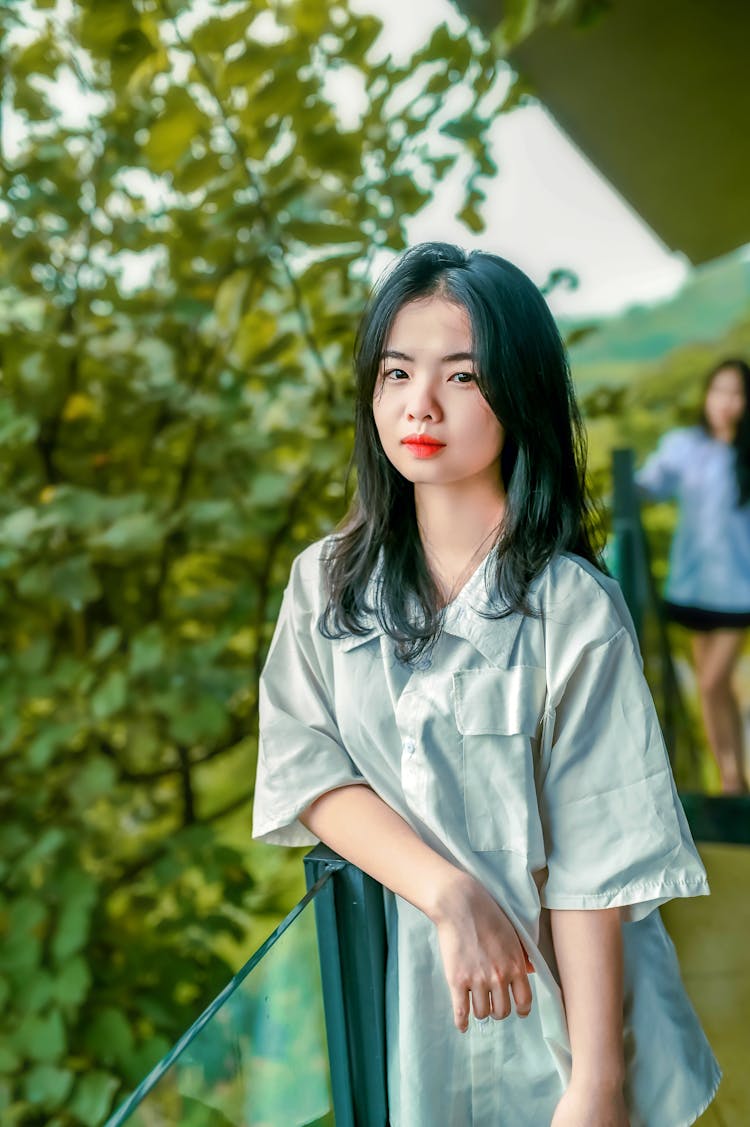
x,y
257,1057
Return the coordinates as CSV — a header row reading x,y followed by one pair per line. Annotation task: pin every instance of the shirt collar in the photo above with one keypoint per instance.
x,y
493,638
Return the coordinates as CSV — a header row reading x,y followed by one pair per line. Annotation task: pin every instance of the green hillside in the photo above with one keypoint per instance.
x,y
713,300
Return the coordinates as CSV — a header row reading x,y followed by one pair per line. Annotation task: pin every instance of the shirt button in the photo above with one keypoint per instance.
x,y
409,746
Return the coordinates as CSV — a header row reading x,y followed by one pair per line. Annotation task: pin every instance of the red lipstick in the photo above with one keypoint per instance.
x,y
422,445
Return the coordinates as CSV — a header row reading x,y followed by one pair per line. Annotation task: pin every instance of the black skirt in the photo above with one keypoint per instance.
x,y
703,620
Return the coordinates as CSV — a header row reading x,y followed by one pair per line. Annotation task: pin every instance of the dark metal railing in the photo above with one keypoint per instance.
x,y
631,565
350,920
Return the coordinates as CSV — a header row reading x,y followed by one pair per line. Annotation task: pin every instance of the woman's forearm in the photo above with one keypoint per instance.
x,y
356,823
588,947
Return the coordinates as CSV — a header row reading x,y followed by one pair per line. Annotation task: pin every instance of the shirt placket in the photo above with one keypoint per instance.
x,y
410,720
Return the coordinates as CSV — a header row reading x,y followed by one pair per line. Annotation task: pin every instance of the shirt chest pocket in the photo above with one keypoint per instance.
x,y
498,713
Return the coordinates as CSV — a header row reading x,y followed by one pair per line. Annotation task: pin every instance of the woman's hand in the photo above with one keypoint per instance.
x,y
585,1106
483,958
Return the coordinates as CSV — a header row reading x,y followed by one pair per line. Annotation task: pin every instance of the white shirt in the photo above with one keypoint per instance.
x,y
529,754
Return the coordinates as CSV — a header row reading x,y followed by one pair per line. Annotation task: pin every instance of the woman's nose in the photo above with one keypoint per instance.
x,y
422,403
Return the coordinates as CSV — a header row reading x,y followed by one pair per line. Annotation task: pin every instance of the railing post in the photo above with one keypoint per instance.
x,y
350,921
626,526
632,567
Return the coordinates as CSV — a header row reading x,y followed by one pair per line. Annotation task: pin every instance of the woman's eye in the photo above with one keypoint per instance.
x,y
463,377
395,374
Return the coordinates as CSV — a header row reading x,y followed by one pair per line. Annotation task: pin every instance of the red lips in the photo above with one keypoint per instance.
x,y
420,440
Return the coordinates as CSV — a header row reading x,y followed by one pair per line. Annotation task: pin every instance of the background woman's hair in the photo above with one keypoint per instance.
x,y
742,438
523,373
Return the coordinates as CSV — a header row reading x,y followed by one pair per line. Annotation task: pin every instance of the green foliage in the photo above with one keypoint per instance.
x,y
185,249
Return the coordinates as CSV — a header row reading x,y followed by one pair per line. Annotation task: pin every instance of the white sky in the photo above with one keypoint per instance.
x,y
548,208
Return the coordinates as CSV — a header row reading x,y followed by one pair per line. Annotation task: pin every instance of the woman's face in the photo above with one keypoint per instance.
x,y
725,402
427,390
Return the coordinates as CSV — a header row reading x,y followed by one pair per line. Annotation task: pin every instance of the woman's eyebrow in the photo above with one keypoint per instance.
x,y
393,354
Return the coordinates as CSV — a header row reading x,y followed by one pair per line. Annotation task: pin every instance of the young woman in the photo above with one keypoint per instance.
x,y
707,467
453,700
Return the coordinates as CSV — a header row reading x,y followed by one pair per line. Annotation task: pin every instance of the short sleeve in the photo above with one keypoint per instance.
x,y
659,476
615,831
300,753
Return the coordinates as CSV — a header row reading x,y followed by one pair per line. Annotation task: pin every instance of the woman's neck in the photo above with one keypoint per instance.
x,y
726,435
457,529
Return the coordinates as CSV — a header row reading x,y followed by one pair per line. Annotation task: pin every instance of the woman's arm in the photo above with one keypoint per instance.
x,y
588,947
482,954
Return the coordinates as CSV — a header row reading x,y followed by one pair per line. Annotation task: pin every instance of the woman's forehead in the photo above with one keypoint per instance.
x,y
430,324
727,379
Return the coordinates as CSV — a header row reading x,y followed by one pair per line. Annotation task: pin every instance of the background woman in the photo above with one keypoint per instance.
x,y
707,468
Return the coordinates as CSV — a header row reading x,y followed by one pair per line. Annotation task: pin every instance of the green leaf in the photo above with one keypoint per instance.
x,y
247,68
74,581
110,696
47,843
361,37
103,23
110,1037
128,53
230,298
38,993
198,719
97,777
106,643
41,749
171,134
316,233
147,650
221,32
77,892
27,913
92,1098
34,657
16,529
15,429
471,218
47,1087
464,128
41,1037
269,489
72,984
135,534
10,1061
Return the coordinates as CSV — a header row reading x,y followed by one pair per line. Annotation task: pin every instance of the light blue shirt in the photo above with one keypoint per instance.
x,y
528,753
709,562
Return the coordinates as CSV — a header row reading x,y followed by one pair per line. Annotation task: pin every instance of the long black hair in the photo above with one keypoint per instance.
x,y
522,371
741,440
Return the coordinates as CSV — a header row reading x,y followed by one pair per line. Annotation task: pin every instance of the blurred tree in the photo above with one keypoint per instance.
x,y
188,220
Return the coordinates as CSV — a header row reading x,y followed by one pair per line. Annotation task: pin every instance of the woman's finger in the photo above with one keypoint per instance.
x,y
500,1001
460,999
481,1001
521,995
